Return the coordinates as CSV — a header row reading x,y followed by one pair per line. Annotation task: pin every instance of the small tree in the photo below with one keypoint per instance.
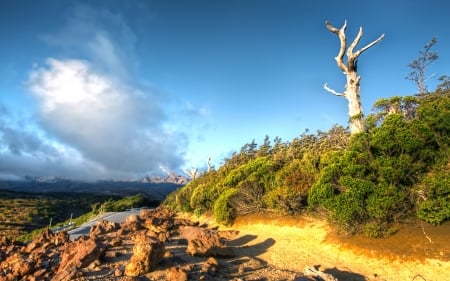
x,y
419,65
352,87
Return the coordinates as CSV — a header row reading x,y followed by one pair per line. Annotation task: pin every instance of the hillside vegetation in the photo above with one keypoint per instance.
x,y
22,215
397,169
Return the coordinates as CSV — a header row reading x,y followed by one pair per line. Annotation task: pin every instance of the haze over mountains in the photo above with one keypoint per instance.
x,y
157,187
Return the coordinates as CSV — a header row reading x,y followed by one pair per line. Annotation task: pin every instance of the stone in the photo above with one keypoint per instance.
x,y
205,242
103,227
80,253
177,274
147,253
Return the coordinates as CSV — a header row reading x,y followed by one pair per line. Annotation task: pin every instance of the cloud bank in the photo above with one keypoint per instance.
x,y
92,120
116,126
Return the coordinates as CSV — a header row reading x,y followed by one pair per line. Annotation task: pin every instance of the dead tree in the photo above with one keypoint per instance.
x,y
352,87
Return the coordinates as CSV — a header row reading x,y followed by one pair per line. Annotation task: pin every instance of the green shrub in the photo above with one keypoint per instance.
x,y
223,213
435,208
435,211
286,200
124,203
387,203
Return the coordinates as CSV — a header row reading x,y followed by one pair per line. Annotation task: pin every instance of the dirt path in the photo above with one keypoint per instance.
x,y
294,244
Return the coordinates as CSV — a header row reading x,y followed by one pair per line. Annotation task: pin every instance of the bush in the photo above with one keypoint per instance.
x,y
223,212
249,198
292,187
286,200
124,203
435,207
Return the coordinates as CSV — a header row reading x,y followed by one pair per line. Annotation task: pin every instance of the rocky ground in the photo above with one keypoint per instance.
x,y
154,245
161,245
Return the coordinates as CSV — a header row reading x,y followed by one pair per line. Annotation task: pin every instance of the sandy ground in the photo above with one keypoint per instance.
x,y
296,243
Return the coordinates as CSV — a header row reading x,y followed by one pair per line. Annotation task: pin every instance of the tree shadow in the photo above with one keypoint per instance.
x,y
242,240
241,248
344,275
246,256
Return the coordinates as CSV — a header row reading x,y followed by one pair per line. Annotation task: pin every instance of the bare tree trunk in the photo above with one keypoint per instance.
x,y
354,102
350,69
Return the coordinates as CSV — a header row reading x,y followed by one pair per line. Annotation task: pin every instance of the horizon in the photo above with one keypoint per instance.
x,y
95,90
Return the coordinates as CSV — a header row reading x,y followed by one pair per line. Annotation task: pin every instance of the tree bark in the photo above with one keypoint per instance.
x,y
350,69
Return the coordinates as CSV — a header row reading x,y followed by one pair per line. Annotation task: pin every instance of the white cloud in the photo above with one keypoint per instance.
x,y
93,119
118,127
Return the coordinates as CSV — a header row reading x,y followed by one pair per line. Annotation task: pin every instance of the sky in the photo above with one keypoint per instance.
x,y
123,89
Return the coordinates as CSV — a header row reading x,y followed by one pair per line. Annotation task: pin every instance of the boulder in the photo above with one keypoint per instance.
x,y
103,227
147,253
17,266
80,253
47,239
205,242
177,274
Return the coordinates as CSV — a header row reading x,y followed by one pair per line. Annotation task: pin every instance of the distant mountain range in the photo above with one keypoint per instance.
x,y
170,178
156,187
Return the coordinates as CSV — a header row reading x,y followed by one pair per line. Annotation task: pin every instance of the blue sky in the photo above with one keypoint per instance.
x,y
122,89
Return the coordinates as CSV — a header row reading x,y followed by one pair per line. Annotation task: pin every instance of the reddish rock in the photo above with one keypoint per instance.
x,y
228,234
177,274
80,253
132,223
132,219
103,227
47,239
66,275
61,238
116,241
205,242
17,266
147,253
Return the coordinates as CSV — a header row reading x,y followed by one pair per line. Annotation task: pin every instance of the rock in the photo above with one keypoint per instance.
x,y
18,266
4,241
210,266
205,242
80,253
103,227
228,234
61,238
132,219
118,271
133,223
47,239
66,275
147,253
116,241
177,274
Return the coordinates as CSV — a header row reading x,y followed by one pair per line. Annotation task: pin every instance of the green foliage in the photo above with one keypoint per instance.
x,y
292,186
370,186
223,212
365,183
203,197
123,204
179,200
434,206
258,169
30,211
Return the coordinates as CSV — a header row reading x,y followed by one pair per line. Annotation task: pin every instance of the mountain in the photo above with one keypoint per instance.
x,y
154,186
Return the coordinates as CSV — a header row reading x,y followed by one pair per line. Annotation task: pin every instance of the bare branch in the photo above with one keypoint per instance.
x,y
354,43
360,51
325,86
334,29
341,34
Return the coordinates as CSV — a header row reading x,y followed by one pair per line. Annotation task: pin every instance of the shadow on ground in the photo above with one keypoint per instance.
x,y
344,275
